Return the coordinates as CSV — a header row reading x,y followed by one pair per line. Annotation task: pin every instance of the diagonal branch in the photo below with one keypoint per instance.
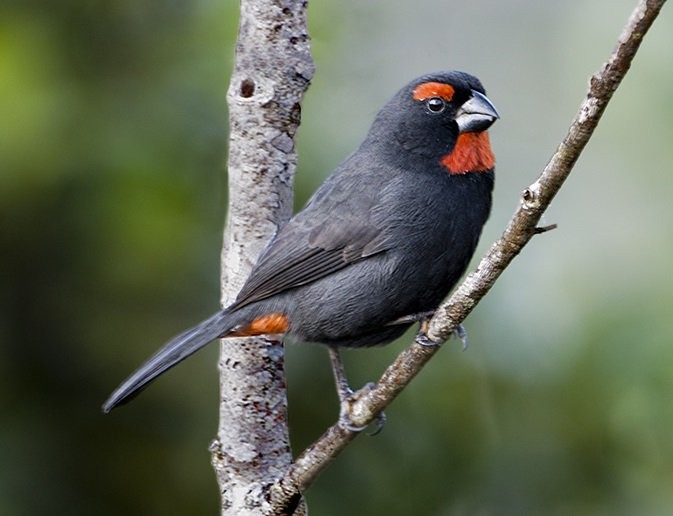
x,y
521,228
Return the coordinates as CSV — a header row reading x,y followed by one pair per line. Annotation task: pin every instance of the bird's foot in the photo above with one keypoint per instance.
x,y
422,336
347,397
423,339
346,407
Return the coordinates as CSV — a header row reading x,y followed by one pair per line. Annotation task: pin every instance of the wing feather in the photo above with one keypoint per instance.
x,y
332,232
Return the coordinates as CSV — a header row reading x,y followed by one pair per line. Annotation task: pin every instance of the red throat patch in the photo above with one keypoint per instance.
x,y
472,153
264,325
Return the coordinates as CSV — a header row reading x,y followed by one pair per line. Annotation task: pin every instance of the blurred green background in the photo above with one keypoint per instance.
x,y
112,199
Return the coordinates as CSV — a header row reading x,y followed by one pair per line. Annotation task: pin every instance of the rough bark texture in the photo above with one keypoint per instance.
x,y
521,228
272,72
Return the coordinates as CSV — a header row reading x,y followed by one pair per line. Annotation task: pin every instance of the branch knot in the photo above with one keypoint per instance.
x,y
530,197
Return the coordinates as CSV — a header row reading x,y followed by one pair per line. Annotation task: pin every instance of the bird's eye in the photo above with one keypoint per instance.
x,y
435,104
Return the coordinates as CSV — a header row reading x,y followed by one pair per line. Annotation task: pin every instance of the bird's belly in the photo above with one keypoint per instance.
x,y
355,306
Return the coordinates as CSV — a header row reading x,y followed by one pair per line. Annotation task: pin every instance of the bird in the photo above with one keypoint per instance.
x,y
380,243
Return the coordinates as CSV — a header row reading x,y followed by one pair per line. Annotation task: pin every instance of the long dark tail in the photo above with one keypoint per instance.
x,y
171,354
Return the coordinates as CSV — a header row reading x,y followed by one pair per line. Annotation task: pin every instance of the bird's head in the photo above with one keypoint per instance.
x,y
442,116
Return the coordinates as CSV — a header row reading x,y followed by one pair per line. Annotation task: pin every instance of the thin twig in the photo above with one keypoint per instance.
x,y
520,229
543,229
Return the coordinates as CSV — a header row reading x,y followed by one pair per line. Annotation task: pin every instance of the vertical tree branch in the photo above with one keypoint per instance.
x,y
273,69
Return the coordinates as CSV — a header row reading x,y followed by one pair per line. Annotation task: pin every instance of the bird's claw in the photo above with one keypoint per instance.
x,y
345,411
423,339
461,333
379,422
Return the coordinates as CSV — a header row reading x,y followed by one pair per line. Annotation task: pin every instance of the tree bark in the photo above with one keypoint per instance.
x,y
273,69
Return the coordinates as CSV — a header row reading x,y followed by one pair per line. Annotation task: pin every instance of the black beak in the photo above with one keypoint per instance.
x,y
476,114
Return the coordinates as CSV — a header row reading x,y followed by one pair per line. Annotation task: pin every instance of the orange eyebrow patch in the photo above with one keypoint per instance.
x,y
434,89
263,325
472,153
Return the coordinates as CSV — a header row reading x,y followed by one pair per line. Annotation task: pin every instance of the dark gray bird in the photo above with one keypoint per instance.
x,y
385,237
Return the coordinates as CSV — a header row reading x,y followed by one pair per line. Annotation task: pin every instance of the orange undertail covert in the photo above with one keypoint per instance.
x,y
263,325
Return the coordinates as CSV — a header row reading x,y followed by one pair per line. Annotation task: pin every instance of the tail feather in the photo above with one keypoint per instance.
x,y
173,352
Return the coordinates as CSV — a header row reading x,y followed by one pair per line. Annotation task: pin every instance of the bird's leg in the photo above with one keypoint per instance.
x,y
347,396
412,318
341,382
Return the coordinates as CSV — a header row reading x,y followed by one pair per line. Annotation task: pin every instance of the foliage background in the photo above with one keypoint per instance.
x,y
112,198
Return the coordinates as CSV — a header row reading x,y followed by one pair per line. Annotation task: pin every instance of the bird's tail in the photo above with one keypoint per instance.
x,y
171,354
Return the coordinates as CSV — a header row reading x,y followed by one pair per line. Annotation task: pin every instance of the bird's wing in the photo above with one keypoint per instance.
x,y
332,232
